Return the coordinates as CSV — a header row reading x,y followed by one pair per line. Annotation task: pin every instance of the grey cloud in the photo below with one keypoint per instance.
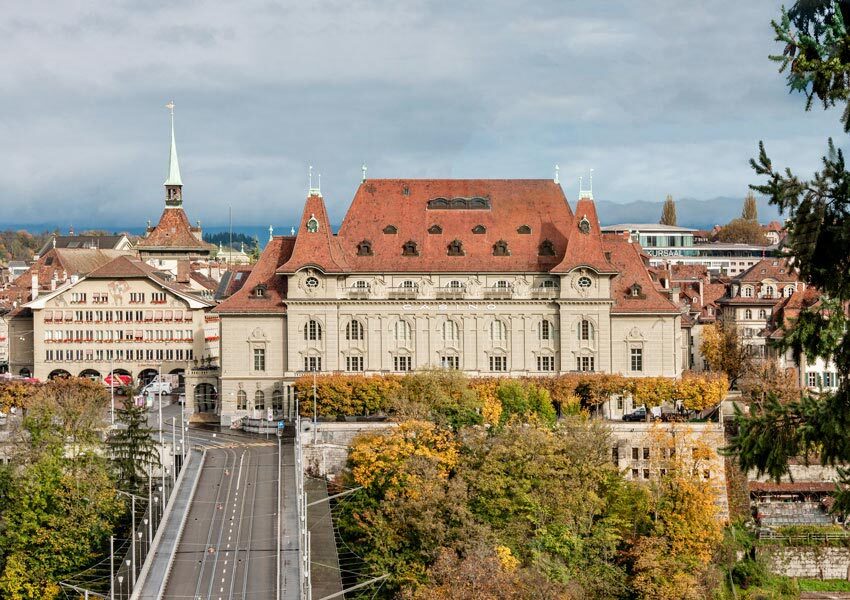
x,y
657,96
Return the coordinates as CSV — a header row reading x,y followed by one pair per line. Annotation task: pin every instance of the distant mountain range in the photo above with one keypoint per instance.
x,y
699,214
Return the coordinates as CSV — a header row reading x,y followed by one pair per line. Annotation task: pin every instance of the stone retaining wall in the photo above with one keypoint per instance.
x,y
803,561
326,453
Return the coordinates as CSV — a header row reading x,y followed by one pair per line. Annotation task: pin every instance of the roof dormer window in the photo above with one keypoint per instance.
x,y
391,230
312,224
260,291
500,248
546,248
635,291
456,248
409,249
364,248
523,230
435,229
479,229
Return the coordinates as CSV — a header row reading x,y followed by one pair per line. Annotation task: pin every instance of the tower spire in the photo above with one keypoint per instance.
x,y
173,184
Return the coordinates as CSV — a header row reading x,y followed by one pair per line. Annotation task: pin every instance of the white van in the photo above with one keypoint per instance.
x,y
155,387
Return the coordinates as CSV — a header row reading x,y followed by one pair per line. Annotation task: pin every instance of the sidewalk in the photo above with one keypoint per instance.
x,y
156,567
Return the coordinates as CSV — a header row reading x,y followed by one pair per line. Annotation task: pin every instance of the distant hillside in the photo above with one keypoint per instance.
x,y
699,214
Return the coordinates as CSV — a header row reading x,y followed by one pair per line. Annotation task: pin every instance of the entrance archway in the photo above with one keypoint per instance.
x,y
181,376
146,376
25,373
206,398
60,373
90,374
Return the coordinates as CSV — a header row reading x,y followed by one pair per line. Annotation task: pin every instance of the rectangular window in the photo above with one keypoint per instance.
x,y
634,473
812,379
78,298
545,363
160,355
403,363
619,403
353,363
499,363
585,363
137,298
646,454
158,297
634,453
637,359
259,359
312,363
615,454
451,363
646,473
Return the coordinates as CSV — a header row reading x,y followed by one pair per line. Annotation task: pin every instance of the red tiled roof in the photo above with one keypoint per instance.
x,y
795,486
688,272
626,258
277,252
206,282
584,247
123,267
174,232
506,206
777,269
317,249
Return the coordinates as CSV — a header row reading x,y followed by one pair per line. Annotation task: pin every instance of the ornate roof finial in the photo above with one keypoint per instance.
x,y
271,232
557,174
292,231
313,191
310,177
363,168
583,193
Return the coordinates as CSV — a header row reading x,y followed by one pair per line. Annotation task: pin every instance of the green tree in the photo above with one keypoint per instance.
x,y
668,213
525,400
55,521
133,449
816,55
441,396
750,210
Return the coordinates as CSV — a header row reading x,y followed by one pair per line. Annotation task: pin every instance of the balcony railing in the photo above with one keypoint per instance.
x,y
498,292
544,292
404,292
450,292
359,292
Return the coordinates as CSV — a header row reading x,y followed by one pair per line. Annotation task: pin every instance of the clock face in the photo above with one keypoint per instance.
x,y
584,282
311,282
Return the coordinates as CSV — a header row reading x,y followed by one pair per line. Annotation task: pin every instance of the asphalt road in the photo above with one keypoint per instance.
x,y
228,549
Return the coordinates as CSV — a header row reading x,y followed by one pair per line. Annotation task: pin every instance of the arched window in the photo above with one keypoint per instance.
x,y
545,330
456,248
435,229
546,248
241,400
523,229
409,249
390,229
789,291
402,331
313,330
748,314
500,248
747,291
762,314
407,284
498,331
277,401
451,331
354,330
364,248
549,284
585,330
361,285
479,229
206,397
769,291
259,400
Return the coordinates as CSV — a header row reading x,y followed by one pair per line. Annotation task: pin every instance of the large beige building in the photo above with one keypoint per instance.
x,y
123,317
491,277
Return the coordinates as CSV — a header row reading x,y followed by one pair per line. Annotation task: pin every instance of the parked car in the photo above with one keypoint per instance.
x,y
639,414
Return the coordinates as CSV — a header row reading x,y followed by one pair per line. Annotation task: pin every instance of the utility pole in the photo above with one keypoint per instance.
x,y
111,567
112,389
315,408
173,450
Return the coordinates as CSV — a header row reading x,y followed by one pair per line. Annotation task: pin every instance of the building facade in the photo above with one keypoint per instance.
x,y
489,277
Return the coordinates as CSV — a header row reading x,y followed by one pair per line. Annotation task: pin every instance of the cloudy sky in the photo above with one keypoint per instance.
x,y
657,96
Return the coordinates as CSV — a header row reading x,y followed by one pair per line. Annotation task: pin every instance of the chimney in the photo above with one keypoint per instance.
x,y
675,295
34,285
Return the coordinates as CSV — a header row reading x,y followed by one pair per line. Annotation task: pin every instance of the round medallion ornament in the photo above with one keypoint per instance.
x,y
584,282
311,282
584,225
